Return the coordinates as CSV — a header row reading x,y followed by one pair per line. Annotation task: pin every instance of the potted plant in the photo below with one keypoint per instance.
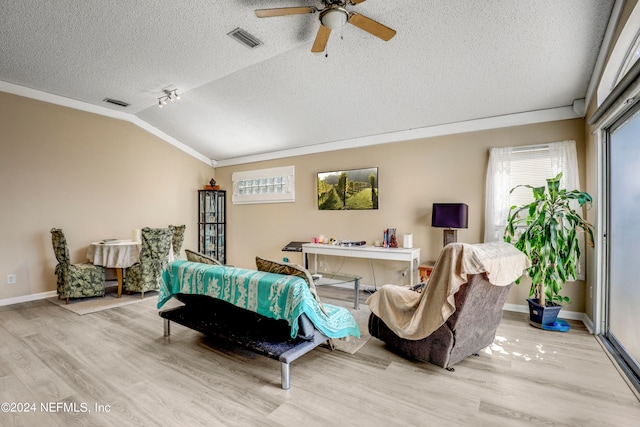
x,y
547,230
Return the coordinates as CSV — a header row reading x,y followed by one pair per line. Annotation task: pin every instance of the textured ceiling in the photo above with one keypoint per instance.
x,y
451,61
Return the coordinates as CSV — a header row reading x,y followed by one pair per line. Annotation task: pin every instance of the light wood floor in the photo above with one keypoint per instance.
x,y
119,360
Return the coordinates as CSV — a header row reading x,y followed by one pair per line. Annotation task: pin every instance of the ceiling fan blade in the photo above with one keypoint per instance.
x,y
282,11
371,26
322,38
354,2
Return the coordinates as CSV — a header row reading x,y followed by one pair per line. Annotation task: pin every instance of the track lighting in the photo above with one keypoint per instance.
x,y
169,95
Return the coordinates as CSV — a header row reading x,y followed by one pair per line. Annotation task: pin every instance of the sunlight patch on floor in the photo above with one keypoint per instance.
x,y
498,347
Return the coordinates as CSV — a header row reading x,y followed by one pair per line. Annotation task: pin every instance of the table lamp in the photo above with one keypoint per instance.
x,y
450,216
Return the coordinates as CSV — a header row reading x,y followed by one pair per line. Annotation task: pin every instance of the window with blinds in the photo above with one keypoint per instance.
x,y
530,166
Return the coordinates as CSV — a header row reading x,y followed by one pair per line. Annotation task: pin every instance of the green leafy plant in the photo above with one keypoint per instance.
x,y
547,230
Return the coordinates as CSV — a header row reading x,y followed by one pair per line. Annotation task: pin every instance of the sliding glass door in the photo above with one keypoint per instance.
x,y
623,241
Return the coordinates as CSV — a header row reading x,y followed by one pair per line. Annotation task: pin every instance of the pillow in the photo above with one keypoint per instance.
x,y
290,269
202,258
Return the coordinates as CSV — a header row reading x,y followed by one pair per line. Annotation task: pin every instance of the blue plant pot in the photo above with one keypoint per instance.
x,y
540,316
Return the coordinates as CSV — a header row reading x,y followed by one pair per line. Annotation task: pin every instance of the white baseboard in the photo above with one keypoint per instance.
x,y
518,308
27,298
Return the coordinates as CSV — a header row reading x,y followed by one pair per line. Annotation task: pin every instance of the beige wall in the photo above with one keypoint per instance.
x,y
412,176
97,177
92,176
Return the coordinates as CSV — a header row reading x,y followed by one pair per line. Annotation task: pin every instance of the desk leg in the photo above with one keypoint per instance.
x,y
356,300
411,272
119,273
305,257
414,267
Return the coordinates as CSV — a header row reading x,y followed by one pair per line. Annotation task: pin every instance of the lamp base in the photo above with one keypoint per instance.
x,y
449,236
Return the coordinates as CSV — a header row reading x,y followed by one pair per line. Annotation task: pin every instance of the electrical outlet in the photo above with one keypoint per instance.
x,y
11,279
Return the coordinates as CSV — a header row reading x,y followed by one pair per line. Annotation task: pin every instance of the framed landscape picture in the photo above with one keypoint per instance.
x,y
351,189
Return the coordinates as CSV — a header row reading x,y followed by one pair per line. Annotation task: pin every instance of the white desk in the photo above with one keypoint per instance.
x,y
411,256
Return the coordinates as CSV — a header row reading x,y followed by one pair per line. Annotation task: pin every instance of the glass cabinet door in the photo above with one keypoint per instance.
x,y
211,224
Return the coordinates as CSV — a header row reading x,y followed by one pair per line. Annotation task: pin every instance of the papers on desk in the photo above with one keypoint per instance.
x,y
109,241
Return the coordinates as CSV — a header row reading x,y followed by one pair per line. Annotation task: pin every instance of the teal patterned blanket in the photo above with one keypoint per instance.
x,y
271,295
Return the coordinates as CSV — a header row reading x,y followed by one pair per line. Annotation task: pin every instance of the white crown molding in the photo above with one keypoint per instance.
x,y
102,111
518,119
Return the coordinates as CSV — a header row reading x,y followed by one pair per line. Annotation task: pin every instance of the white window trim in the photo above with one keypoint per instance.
x,y
273,185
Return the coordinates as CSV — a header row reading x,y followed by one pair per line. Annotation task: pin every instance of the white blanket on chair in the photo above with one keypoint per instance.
x,y
412,315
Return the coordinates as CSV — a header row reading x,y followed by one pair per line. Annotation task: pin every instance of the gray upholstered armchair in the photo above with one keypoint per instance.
x,y
178,239
75,280
154,256
459,309
470,328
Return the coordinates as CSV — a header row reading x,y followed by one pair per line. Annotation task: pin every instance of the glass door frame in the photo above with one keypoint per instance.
x,y
616,120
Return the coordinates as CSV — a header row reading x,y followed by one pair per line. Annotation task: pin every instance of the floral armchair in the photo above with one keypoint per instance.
x,y
75,280
178,239
154,256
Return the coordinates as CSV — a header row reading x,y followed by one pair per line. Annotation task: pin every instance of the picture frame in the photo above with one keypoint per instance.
x,y
348,189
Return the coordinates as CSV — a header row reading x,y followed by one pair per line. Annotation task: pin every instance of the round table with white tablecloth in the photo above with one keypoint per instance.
x,y
118,254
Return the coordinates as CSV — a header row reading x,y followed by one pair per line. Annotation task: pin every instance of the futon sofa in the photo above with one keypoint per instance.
x,y
275,315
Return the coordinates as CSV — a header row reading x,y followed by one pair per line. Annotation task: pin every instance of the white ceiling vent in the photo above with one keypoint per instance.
x,y
116,102
245,38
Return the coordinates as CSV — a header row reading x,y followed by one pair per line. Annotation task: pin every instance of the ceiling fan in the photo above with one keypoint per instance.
x,y
333,16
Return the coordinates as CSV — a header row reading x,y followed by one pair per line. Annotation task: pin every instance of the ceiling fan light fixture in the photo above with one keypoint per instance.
x,y
334,18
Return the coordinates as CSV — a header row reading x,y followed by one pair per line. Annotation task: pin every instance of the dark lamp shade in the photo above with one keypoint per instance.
x,y
450,215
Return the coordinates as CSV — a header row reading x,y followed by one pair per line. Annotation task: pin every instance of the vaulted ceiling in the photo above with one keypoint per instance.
x,y
451,61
